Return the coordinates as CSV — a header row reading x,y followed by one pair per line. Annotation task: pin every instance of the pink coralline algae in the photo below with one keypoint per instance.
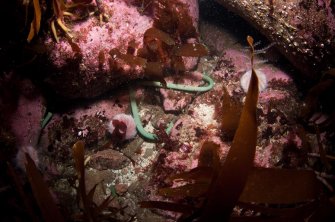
x,y
176,101
93,70
25,121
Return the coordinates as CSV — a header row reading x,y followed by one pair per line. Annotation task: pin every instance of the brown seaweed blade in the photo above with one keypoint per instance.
x,y
191,49
42,193
259,219
209,156
226,189
27,202
188,190
298,211
36,23
280,186
201,176
167,206
198,174
91,211
78,156
156,33
231,112
154,71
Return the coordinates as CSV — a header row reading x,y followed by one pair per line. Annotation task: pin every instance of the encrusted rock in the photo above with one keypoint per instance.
x,y
108,159
302,30
87,65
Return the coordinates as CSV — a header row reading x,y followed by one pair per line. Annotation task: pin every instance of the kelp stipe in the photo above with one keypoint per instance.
x,y
226,189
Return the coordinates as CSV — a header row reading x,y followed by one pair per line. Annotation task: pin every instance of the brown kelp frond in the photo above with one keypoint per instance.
x,y
154,33
199,174
154,71
127,59
199,178
17,184
280,186
239,159
284,213
188,190
182,208
160,46
209,156
172,17
191,49
60,9
36,23
164,14
91,212
230,115
45,201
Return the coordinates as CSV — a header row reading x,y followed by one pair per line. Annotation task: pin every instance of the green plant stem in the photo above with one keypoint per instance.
x,y
46,119
150,136
184,88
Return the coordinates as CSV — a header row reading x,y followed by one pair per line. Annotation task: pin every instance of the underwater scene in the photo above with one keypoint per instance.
x,y
167,110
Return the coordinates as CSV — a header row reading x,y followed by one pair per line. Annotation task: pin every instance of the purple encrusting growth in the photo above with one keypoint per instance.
x,y
125,24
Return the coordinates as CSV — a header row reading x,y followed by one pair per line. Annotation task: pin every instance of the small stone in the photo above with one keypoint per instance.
x,y
108,159
121,188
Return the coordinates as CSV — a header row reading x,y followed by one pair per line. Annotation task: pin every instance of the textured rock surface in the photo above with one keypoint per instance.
x,y
303,30
93,70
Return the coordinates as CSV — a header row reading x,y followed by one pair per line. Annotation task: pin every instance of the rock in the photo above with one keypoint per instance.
x,y
102,178
302,30
85,66
25,121
87,122
175,101
108,159
121,188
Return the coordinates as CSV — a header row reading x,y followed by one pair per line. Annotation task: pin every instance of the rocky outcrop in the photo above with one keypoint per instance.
x,y
97,56
303,30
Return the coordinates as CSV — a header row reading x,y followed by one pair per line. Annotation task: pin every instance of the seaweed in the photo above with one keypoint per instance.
x,y
45,201
191,50
27,201
127,59
182,208
239,159
91,211
101,59
154,71
36,23
172,17
156,46
271,186
154,33
165,42
230,114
